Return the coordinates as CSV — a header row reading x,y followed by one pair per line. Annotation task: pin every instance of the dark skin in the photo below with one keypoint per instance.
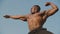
x,y
36,19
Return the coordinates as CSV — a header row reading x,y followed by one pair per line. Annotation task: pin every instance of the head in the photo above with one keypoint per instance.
x,y
35,9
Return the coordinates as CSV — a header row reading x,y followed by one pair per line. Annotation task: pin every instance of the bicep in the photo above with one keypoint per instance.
x,y
23,18
50,12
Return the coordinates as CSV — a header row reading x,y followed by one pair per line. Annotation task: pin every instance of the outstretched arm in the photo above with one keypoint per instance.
x,y
51,11
16,17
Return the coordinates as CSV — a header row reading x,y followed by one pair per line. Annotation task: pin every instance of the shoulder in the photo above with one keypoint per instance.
x,y
42,12
28,15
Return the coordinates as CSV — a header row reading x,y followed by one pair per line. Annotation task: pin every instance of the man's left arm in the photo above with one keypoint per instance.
x,y
51,11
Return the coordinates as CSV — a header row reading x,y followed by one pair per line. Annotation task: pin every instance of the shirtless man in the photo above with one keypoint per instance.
x,y
36,19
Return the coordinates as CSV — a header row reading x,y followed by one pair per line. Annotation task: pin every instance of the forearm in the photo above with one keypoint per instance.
x,y
17,17
53,6
14,17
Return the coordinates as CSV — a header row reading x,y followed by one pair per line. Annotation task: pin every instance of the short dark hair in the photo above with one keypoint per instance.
x,y
38,7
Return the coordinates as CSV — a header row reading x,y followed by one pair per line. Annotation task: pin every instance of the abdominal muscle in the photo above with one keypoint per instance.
x,y
34,23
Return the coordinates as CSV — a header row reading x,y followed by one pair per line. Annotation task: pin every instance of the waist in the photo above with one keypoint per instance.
x,y
38,29
35,28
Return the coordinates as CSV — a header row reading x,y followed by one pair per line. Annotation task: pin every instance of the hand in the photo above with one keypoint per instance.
x,y
6,16
47,3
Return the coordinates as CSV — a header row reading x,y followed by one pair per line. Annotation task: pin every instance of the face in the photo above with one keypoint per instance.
x,y
34,9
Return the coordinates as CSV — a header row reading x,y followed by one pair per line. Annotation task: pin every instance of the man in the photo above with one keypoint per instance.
x,y
36,19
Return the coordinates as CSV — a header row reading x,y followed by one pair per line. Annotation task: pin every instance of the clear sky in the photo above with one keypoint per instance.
x,y
22,7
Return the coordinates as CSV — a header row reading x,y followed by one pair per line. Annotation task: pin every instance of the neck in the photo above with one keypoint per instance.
x,y
34,12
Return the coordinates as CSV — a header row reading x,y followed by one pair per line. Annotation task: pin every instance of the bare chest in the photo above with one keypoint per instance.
x,y
35,18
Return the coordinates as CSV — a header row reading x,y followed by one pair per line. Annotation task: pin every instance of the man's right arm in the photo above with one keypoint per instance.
x,y
16,17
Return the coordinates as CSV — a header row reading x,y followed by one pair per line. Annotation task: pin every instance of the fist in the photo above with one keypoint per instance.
x,y
6,16
47,3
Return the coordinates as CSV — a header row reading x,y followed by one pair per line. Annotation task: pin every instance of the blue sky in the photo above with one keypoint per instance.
x,y
22,7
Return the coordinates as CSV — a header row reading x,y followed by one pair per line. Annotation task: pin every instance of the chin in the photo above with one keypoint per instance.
x,y
33,12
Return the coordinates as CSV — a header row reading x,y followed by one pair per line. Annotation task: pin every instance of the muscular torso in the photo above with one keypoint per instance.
x,y
35,20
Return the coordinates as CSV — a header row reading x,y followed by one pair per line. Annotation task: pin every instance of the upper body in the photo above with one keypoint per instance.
x,y
36,19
